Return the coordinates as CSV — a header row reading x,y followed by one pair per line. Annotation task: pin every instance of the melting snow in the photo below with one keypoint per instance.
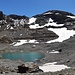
x,y
71,17
35,26
52,67
48,13
53,24
50,20
31,20
53,51
25,41
50,23
63,34
11,28
22,22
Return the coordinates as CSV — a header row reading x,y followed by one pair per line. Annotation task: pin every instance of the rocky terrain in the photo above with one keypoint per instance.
x,y
40,29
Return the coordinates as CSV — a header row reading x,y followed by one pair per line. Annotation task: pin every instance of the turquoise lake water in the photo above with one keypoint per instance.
x,y
24,56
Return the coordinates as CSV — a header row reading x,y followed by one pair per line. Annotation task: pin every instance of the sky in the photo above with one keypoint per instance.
x,y
32,7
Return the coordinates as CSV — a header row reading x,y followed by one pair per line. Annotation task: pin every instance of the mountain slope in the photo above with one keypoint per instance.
x,y
54,19
36,27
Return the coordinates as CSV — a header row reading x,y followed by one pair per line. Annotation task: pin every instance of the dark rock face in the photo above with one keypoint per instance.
x,y
41,21
1,15
22,69
58,12
17,17
70,25
59,17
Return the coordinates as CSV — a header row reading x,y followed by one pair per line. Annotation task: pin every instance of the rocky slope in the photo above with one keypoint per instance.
x,y
60,18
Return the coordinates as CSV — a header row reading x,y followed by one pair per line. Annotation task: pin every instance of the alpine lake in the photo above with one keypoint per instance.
x,y
24,56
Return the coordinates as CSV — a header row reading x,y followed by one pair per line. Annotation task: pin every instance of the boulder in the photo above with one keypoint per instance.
x,y
22,68
27,69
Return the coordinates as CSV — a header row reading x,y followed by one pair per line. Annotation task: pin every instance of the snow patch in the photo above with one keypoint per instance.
x,y
73,17
53,24
22,22
11,28
48,13
53,51
63,34
35,26
21,42
52,67
31,20
50,23
50,20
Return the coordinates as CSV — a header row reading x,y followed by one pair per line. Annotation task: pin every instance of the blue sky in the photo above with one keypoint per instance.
x,y
33,7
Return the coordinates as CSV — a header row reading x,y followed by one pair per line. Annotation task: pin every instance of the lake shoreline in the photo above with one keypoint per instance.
x,y
66,52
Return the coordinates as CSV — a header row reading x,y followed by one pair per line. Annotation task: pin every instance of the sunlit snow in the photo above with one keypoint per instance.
x,y
48,13
47,24
35,26
31,20
50,20
63,34
22,22
53,51
53,24
11,28
71,16
52,67
21,42
50,23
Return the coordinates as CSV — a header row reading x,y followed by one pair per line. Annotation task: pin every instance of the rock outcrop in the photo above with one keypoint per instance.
x,y
9,66
1,15
24,69
5,39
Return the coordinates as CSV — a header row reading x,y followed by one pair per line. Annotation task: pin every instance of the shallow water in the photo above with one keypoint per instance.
x,y
24,56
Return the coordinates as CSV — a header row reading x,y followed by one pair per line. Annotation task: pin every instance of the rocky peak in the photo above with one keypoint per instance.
x,y
53,19
58,16
1,15
58,12
13,16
